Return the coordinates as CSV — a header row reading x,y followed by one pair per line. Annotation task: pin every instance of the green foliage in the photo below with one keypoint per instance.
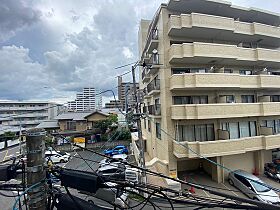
x,y
123,135
48,141
113,118
103,125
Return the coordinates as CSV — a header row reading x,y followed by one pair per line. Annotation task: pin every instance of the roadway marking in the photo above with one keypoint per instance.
x,y
206,193
229,189
5,155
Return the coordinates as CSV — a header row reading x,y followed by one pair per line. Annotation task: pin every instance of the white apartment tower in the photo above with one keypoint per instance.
x,y
89,99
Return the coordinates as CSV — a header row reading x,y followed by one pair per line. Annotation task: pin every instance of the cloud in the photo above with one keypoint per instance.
x,y
15,15
21,78
67,45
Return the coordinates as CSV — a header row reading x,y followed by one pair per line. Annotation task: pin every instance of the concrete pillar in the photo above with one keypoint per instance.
x,y
217,171
259,161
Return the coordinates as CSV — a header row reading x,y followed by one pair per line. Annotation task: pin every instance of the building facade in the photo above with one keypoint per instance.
x,y
211,82
89,99
126,93
27,114
113,105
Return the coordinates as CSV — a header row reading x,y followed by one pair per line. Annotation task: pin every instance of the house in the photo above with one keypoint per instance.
x,y
79,121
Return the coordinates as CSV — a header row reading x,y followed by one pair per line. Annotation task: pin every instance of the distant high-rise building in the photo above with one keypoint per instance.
x,y
126,93
89,99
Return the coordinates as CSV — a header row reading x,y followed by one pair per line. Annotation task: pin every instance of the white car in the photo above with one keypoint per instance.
x,y
56,157
114,159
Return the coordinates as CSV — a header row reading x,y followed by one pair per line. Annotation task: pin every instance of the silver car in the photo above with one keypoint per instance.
x,y
253,187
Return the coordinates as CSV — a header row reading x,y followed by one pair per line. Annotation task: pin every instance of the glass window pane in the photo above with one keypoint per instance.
x,y
195,99
186,100
233,131
204,99
277,126
253,130
230,99
270,123
244,129
210,132
189,133
263,123
177,100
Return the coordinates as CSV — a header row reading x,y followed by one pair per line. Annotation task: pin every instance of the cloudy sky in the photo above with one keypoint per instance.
x,y
49,49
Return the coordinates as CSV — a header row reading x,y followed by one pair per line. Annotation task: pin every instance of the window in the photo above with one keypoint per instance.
x,y
196,132
240,129
145,125
228,71
247,99
275,98
158,131
188,70
190,100
245,72
230,99
70,125
149,125
274,124
244,129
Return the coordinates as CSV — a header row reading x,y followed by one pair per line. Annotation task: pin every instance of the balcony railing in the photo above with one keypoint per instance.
x,y
153,85
154,109
199,52
228,28
225,147
223,80
224,110
154,59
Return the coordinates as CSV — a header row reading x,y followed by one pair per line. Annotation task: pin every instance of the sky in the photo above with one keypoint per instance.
x,y
50,49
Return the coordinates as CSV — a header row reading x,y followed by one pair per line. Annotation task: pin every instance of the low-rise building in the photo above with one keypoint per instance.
x,y
27,114
79,121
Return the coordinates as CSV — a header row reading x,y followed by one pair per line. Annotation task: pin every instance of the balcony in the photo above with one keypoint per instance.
x,y
154,110
225,147
224,110
153,87
145,76
209,27
223,80
223,54
153,64
153,41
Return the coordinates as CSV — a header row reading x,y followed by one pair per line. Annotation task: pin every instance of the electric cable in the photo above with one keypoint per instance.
x,y
198,186
73,199
213,162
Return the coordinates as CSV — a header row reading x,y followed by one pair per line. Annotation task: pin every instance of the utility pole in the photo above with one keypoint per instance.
x,y
138,113
35,150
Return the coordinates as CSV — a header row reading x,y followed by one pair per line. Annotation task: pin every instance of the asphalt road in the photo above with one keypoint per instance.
x,y
9,152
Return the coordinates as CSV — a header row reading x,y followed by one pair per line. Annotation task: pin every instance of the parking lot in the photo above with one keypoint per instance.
x,y
204,179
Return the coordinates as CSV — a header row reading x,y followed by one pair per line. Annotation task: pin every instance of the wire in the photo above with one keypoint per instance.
x,y
25,191
213,162
196,185
73,199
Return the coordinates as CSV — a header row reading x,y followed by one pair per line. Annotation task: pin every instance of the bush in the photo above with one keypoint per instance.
x,y
122,135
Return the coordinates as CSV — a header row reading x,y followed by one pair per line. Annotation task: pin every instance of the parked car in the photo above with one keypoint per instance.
x,y
253,187
115,159
272,170
112,170
56,157
119,171
120,149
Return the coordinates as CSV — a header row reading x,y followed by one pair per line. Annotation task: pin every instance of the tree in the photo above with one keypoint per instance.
x,y
113,118
103,125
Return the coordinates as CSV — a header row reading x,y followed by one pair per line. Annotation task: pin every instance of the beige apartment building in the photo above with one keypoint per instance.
x,y
212,81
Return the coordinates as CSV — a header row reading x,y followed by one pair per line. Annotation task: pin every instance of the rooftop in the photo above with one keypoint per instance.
x,y
225,9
